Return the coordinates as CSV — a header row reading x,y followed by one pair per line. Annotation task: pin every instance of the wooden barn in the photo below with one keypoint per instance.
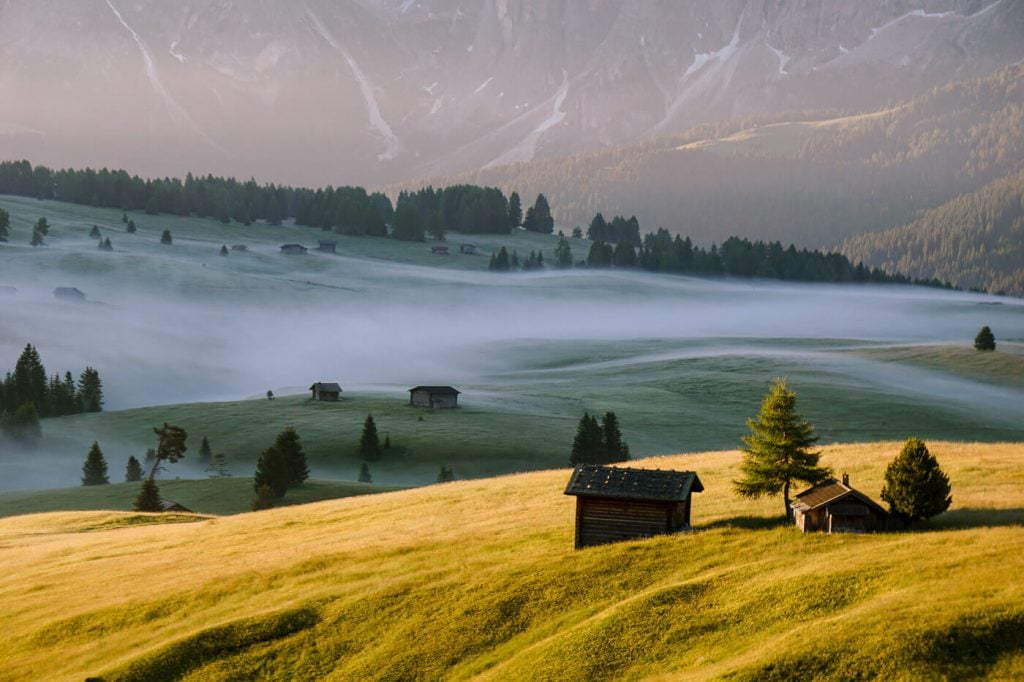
x,y
326,391
442,397
68,294
835,507
620,503
294,249
172,506
468,249
327,246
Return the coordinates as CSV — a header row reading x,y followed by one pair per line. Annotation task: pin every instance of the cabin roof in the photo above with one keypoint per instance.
x,y
442,390
168,505
829,492
592,480
327,386
293,246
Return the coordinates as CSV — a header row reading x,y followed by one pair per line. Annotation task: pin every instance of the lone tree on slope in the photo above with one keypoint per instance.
x,y
205,454
369,441
778,450
166,238
133,472
94,471
290,447
170,446
271,473
985,340
916,488
148,499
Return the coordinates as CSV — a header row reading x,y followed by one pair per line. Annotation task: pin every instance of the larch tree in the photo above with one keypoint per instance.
x,y
94,471
778,453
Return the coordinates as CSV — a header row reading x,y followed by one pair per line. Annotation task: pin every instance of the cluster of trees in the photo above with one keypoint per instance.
x,y
779,453
280,467
27,394
618,230
598,443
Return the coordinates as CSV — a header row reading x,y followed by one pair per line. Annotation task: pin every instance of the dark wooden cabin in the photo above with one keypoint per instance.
x,y
172,506
468,249
835,507
442,397
325,391
327,246
293,249
441,250
68,294
239,247
620,503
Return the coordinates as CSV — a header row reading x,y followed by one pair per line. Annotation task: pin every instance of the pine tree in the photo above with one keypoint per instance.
x,y
95,232
588,445
166,238
615,449
170,446
94,471
223,249
105,245
777,452
90,390
5,225
219,467
288,444
538,217
916,488
131,227
37,238
271,471
148,499
42,227
133,472
563,253
205,454
364,473
515,210
985,340
369,443
30,385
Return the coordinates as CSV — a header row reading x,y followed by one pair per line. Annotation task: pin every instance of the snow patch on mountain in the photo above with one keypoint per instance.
x,y
783,59
483,85
527,147
174,53
915,13
722,55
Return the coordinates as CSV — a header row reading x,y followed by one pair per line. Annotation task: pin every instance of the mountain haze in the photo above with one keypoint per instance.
x,y
380,91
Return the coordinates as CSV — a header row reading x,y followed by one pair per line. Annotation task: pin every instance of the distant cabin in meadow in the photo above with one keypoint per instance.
x,y
834,507
172,506
468,249
68,294
442,397
8,290
239,247
440,250
327,246
294,249
325,391
620,503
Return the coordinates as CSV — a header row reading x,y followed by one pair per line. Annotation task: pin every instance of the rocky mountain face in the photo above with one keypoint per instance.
x,y
376,91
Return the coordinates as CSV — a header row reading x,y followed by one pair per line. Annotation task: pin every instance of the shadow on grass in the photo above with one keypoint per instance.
x,y
975,518
747,522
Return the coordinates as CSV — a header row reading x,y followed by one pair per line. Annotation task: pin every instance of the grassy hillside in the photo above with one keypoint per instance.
x,y
203,496
478,579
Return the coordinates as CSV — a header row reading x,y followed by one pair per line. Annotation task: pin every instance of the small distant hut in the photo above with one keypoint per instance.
x,y
439,250
327,246
172,506
239,247
441,397
329,391
835,507
68,294
621,503
468,249
294,249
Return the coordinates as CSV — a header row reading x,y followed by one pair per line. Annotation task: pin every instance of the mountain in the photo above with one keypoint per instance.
x,y
376,91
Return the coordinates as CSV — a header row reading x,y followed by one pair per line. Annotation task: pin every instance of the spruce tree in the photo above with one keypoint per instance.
x,y
369,443
37,238
515,210
777,453
916,488
90,390
563,253
271,471
223,249
5,225
94,471
288,444
265,498
148,499
588,445
615,449
133,472
131,227
166,238
95,232
219,467
985,340
42,227
30,384
205,454
364,473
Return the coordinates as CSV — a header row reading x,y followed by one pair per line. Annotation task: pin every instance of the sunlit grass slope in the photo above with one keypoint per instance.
x,y
203,496
478,579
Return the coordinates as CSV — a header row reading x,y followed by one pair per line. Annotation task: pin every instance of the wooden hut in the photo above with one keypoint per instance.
x,y
835,507
239,247
172,506
68,294
468,249
327,246
294,249
326,391
439,250
443,397
620,503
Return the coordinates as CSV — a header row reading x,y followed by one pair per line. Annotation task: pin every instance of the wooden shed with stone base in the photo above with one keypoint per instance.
x,y
442,397
834,507
620,503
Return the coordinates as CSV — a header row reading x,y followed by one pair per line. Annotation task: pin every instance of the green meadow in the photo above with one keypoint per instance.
x,y
478,579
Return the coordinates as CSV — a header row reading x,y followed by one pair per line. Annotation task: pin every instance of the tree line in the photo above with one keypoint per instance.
x,y
28,394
